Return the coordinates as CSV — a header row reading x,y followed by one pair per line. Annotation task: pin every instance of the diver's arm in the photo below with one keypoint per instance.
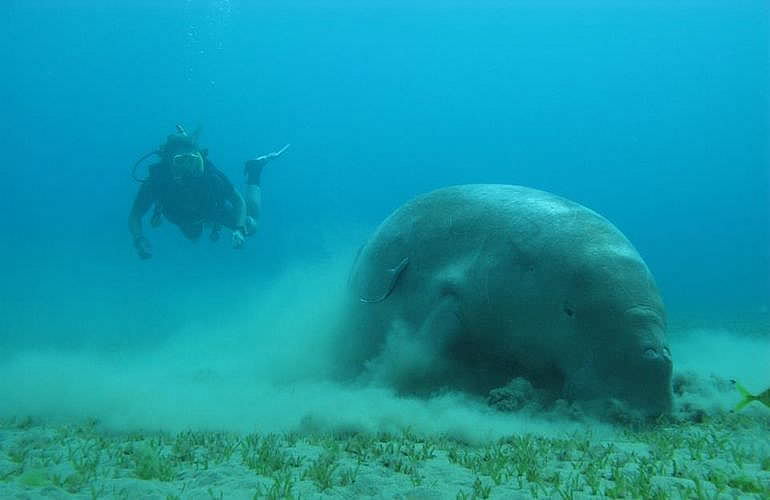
x,y
142,204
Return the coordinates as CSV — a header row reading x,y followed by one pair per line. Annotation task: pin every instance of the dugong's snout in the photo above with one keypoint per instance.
x,y
650,388
648,362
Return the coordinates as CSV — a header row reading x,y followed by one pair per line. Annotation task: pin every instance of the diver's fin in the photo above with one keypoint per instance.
x,y
394,274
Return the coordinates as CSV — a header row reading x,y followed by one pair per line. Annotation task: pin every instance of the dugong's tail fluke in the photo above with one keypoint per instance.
x,y
394,274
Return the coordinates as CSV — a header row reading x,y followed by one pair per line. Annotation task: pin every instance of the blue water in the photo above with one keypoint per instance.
x,y
655,114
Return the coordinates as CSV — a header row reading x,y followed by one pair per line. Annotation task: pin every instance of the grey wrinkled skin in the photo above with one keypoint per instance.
x,y
499,281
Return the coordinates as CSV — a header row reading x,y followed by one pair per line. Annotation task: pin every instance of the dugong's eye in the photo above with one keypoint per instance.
x,y
569,311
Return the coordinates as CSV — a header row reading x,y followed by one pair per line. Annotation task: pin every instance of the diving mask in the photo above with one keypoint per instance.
x,y
187,165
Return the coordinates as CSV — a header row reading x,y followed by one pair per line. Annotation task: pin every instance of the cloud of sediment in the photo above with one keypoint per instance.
x,y
264,365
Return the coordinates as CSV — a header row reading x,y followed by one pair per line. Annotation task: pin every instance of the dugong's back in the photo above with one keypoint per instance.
x,y
457,227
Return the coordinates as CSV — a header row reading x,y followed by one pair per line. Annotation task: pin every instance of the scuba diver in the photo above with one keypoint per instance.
x,y
188,190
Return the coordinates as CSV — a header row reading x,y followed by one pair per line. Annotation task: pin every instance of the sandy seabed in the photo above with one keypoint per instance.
x,y
721,457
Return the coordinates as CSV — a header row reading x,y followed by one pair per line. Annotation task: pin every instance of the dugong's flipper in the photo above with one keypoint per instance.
x,y
394,274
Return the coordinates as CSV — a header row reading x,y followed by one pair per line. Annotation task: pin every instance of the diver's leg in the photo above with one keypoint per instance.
x,y
253,170
253,207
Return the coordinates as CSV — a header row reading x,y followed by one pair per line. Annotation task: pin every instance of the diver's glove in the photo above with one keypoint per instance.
x,y
238,238
143,248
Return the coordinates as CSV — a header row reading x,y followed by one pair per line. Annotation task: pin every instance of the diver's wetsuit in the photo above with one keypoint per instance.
x,y
210,198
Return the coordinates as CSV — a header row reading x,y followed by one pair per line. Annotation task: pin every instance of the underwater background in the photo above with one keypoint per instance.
x,y
656,114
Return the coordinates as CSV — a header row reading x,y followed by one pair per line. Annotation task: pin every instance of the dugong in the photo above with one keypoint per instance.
x,y
470,286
